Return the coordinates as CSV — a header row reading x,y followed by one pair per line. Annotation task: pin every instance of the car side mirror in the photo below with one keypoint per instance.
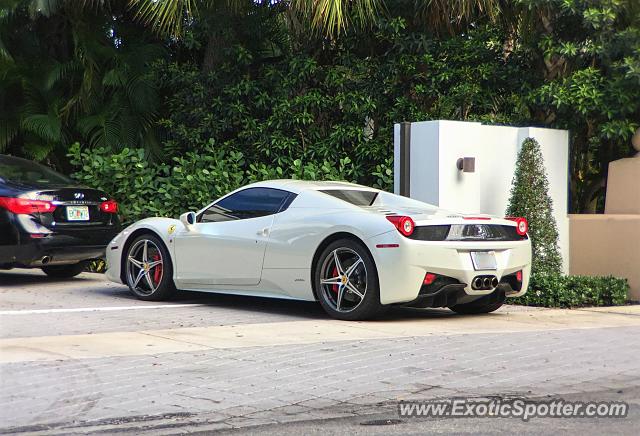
x,y
188,219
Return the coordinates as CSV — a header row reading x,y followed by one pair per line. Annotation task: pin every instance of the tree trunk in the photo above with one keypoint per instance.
x,y
590,199
220,23
213,52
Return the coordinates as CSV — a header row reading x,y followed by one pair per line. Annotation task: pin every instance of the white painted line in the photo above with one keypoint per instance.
x,y
94,309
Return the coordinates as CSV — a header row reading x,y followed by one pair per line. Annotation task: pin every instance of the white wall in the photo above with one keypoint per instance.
x,y
437,145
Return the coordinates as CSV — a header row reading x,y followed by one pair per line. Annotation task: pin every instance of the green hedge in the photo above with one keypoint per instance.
x,y
574,291
191,181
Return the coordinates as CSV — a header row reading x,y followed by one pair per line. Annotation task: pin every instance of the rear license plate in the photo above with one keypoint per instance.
x,y
78,213
483,260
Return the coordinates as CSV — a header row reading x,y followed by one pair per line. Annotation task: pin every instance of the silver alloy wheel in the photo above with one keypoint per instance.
x,y
343,279
144,267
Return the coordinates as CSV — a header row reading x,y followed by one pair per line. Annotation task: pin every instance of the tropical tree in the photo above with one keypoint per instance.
x,y
588,57
70,74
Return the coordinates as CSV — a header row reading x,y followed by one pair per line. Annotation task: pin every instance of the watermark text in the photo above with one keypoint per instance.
x,y
512,408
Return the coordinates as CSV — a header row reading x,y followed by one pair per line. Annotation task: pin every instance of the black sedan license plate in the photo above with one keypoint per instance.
x,y
77,213
484,260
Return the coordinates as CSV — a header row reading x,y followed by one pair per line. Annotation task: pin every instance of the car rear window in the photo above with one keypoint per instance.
x,y
358,198
13,169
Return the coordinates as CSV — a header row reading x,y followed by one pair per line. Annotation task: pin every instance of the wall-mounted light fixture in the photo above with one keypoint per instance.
x,y
466,164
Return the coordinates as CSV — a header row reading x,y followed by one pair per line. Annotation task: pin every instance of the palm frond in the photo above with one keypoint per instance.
x,y
114,78
111,133
62,71
36,149
8,131
333,17
164,16
33,102
48,127
447,15
8,71
168,17
100,130
6,15
143,98
4,53
129,133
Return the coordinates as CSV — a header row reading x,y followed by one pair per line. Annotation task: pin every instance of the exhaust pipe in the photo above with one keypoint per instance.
x,y
484,283
45,260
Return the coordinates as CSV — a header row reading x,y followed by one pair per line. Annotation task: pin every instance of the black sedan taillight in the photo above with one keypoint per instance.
x,y
24,206
109,206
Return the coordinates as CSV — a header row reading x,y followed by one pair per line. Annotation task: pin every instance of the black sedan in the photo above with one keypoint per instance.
x,y
49,221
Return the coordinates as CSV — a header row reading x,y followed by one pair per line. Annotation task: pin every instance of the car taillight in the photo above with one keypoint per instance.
x,y
519,276
109,206
522,226
404,224
24,206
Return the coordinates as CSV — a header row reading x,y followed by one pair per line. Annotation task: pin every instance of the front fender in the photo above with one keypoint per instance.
x,y
164,228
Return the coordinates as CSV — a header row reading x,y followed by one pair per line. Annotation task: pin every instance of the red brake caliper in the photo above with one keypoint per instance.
x,y
334,288
157,272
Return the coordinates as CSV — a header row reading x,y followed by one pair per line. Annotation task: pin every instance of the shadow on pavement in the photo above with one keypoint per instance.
x,y
306,309
276,306
95,284
33,276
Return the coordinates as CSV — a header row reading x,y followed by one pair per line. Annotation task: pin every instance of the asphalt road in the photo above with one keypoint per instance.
x,y
83,355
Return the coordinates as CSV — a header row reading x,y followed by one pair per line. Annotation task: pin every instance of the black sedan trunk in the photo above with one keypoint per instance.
x,y
76,208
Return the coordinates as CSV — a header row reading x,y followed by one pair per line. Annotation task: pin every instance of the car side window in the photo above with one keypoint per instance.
x,y
248,203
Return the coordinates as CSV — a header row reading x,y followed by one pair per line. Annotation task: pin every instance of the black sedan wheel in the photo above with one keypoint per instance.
x,y
65,271
148,269
346,281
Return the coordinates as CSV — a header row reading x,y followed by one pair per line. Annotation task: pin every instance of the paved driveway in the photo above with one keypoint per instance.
x,y
83,355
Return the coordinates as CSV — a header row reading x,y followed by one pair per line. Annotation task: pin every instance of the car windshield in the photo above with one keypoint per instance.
x,y
358,198
13,169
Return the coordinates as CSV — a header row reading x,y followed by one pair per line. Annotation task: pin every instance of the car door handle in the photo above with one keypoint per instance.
x,y
263,232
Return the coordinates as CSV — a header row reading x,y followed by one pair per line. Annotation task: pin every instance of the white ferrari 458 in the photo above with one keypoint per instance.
x,y
354,249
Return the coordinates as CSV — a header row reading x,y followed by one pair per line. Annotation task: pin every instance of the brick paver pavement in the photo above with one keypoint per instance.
x,y
225,388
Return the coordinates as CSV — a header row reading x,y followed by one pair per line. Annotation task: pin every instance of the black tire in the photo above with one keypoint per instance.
x,y
481,305
364,278
153,284
65,271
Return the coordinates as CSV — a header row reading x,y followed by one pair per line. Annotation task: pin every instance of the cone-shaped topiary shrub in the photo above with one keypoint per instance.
x,y
530,199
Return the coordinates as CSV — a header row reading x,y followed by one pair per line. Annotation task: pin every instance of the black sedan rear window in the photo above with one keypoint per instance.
x,y
13,169
358,198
